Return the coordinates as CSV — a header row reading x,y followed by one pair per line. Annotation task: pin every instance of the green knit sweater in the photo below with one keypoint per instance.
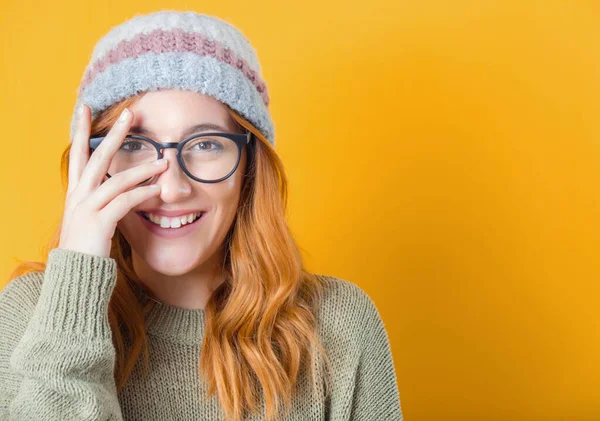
x,y
57,356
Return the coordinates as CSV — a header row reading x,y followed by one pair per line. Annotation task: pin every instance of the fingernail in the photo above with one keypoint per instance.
x,y
80,110
124,115
154,186
160,161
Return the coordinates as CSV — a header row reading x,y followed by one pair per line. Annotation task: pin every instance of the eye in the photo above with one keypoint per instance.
x,y
132,145
205,145
135,145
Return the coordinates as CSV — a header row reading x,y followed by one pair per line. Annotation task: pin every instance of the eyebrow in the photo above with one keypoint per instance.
x,y
191,130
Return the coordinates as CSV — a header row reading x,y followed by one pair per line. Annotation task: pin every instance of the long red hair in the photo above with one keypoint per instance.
x,y
265,346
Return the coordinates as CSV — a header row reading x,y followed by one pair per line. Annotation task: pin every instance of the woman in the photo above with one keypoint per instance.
x,y
174,288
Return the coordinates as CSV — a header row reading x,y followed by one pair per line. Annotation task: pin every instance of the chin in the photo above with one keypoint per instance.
x,y
170,257
171,262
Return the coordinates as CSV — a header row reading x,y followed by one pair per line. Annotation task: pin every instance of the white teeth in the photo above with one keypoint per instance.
x,y
176,222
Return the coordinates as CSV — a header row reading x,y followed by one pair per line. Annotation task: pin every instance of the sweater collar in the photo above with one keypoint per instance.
x,y
169,322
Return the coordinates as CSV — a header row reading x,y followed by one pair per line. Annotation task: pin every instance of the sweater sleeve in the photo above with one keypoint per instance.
x,y
65,358
376,394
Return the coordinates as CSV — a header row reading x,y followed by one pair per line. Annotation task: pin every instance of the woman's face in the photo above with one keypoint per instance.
x,y
165,115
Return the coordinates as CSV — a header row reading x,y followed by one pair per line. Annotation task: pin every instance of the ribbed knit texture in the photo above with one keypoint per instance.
x,y
57,357
177,50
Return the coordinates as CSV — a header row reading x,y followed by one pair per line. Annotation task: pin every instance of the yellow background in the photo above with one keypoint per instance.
x,y
443,155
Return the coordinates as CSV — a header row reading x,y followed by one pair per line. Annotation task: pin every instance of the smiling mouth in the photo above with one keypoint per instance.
x,y
172,223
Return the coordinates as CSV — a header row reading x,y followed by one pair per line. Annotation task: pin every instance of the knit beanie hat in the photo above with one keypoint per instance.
x,y
177,50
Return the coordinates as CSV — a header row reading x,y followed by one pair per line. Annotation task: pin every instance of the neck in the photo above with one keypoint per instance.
x,y
187,291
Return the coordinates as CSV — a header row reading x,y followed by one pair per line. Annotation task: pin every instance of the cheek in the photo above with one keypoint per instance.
x,y
226,195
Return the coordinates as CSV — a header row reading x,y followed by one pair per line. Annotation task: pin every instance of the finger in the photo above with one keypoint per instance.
x,y
79,152
123,203
123,181
101,158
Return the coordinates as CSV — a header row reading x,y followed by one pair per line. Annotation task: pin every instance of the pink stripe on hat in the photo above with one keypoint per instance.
x,y
174,40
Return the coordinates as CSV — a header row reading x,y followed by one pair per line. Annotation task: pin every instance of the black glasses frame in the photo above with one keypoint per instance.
x,y
239,139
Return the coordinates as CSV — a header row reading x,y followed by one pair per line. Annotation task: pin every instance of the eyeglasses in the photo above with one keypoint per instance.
x,y
205,157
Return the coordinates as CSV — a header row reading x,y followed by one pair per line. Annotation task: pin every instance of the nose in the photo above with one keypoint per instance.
x,y
174,184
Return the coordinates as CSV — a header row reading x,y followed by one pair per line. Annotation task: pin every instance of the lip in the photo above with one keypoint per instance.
x,y
171,213
171,232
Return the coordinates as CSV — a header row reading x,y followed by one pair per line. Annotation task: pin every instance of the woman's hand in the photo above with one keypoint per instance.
x,y
93,208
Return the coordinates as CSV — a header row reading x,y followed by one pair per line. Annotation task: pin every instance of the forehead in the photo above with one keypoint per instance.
x,y
175,112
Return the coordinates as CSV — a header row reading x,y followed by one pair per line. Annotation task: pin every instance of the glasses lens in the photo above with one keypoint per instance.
x,y
210,157
133,152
